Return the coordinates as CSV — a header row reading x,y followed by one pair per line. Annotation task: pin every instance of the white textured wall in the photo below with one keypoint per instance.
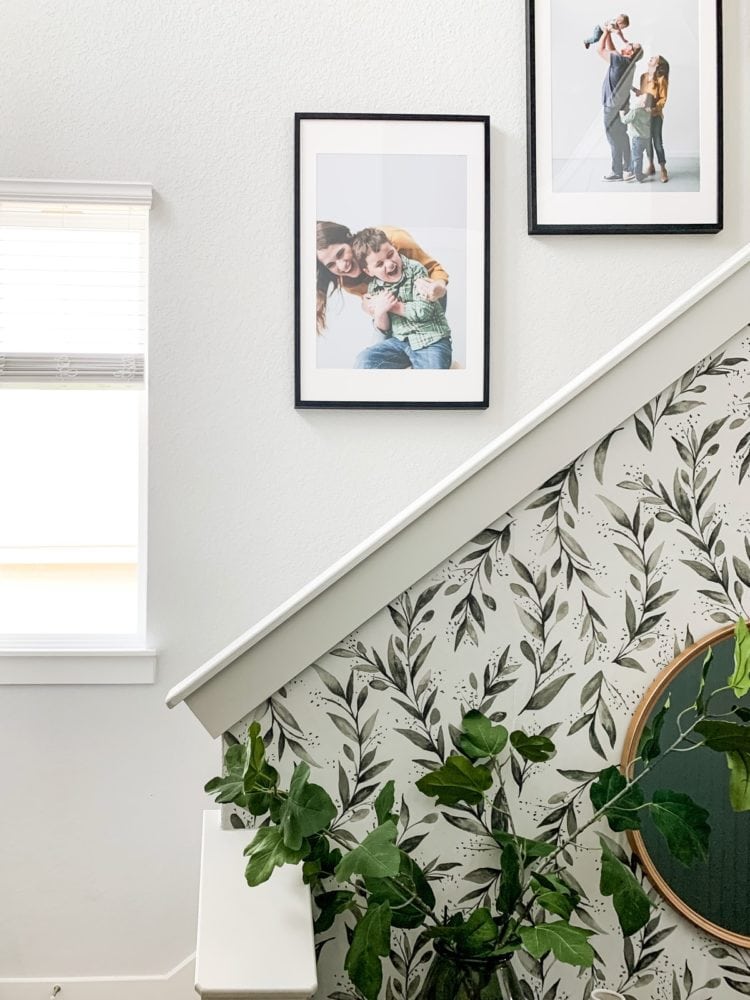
x,y
249,499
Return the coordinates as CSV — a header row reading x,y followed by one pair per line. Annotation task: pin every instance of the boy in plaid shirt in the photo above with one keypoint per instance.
x,y
417,332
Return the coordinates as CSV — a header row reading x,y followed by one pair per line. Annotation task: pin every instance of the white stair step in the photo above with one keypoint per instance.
x,y
252,942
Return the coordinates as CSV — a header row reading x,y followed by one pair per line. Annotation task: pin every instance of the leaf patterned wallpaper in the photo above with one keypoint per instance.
x,y
555,618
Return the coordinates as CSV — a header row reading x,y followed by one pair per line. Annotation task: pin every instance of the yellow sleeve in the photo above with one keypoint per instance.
x,y
404,242
661,97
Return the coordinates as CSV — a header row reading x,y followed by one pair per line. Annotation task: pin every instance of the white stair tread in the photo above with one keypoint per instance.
x,y
252,942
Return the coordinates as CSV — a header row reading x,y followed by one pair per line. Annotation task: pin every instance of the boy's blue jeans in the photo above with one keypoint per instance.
x,y
596,34
639,145
394,353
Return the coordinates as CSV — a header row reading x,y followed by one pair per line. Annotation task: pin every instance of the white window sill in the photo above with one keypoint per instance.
x,y
77,666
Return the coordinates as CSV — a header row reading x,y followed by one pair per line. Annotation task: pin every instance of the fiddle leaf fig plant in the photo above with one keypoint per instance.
x,y
376,884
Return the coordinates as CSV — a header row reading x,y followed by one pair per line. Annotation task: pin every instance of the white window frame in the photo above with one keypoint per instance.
x,y
70,659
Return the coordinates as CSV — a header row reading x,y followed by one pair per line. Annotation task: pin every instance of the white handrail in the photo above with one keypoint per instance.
x,y
488,454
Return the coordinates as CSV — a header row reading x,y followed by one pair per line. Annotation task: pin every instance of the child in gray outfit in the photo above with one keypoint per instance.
x,y
638,120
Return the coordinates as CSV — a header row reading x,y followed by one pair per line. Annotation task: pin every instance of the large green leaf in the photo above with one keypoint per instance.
x,y
731,739
307,809
479,935
554,895
404,894
683,824
480,738
532,748
376,857
740,679
623,814
330,905
527,849
371,941
510,879
700,701
567,943
384,801
266,852
725,737
228,788
248,780
320,861
739,780
631,903
258,775
648,747
458,780
473,938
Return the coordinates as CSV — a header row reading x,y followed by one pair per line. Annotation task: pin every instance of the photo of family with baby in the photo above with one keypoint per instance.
x,y
626,84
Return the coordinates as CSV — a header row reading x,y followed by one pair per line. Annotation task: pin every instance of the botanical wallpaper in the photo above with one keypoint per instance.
x,y
555,618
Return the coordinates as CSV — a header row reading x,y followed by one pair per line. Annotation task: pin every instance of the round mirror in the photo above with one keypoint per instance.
x,y
714,895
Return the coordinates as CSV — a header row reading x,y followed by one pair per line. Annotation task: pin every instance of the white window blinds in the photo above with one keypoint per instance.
x,y
73,329
73,293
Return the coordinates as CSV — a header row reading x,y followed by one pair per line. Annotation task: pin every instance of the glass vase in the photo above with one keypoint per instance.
x,y
451,977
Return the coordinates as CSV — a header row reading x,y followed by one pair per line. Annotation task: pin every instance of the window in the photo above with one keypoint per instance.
x,y
73,321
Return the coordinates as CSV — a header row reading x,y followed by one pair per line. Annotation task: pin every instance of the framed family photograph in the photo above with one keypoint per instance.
x,y
392,261
624,116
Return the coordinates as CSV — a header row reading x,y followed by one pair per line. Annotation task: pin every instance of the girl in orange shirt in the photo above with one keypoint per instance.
x,y
656,82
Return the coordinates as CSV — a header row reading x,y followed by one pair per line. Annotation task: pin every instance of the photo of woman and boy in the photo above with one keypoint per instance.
x,y
382,290
405,300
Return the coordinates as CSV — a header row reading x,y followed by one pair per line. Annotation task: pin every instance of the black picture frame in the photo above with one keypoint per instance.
x,y
333,153
551,211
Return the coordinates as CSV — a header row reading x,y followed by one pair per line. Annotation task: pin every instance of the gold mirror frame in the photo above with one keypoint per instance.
x,y
637,845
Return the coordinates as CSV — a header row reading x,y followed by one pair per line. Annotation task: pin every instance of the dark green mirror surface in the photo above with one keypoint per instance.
x,y
718,890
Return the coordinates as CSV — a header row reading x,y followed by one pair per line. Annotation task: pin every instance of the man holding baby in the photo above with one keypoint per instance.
x,y
615,98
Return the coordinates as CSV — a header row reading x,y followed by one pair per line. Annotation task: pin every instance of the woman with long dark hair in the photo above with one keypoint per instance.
x,y
655,81
337,268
